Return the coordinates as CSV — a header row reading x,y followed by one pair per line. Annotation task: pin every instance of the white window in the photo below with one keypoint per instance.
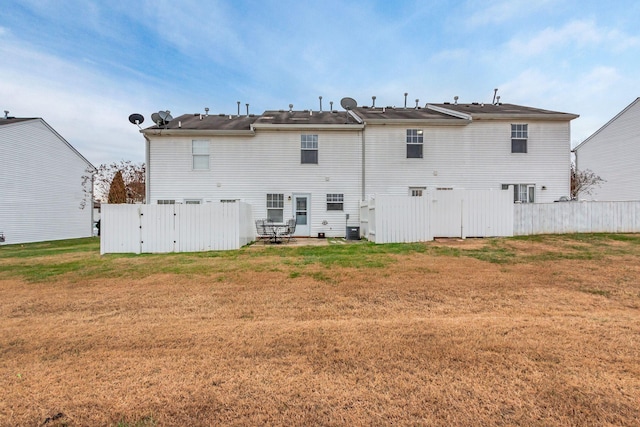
x,y
416,191
519,136
335,202
415,139
275,207
166,202
524,193
200,153
309,149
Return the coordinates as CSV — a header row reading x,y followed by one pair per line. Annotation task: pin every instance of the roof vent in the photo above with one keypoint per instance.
x,y
331,106
247,109
291,108
6,114
238,108
417,101
455,100
405,100
373,101
206,111
320,97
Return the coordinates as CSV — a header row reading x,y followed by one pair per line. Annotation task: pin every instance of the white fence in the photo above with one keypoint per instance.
x,y
438,213
576,217
175,228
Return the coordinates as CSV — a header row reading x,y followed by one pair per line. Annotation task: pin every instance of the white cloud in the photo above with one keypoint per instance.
x,y
500,11
577,34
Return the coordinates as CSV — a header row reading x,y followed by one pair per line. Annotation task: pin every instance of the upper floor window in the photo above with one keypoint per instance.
x,y
335,202
519,135
200,153
275,207
414,143
309,149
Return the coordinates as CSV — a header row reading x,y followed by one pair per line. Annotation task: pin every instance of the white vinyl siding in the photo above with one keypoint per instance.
x,y
475,156
613,153
41,196
270,164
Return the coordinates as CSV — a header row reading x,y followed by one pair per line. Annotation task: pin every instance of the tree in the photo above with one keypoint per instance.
x,y
133,175
583,182
117,190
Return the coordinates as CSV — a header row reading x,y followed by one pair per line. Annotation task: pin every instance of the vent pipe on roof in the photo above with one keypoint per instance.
x,y
417,101
331,106
405,100
291,108
6,114
206,111
495,92
247,109
498,100
238,108
455,100
320,97
373,101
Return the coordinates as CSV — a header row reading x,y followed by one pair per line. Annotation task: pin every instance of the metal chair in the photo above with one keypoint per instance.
x,y
261,229
290,229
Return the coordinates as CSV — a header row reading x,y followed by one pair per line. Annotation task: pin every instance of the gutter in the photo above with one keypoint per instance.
x,y
196,132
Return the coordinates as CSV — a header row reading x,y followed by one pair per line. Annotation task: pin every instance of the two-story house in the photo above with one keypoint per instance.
x,y
317,166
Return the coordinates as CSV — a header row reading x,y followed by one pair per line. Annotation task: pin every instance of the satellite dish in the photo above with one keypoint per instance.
x,y
156,118
165,116
136,119
348,103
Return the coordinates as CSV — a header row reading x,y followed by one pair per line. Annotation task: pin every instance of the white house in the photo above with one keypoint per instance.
x,y
317,166
613,153
41,193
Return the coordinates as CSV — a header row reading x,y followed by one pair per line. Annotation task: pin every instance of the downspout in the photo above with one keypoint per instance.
x,y
364,174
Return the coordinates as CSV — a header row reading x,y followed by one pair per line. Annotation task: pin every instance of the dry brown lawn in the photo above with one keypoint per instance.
x,y
266,338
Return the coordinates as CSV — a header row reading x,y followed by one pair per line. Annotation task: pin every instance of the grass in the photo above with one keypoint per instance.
x,y
540,330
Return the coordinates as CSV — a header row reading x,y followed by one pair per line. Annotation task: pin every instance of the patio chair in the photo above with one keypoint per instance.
x,y
262,230
290,229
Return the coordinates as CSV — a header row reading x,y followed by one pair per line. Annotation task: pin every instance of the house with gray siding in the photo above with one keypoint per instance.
x,y
613,153
317,166
41,193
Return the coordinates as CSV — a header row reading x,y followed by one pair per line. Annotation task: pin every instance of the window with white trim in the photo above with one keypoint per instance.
x,y
415,139
309,149
200,153
416,191
524,193
335,202
519,136
166,202
275,207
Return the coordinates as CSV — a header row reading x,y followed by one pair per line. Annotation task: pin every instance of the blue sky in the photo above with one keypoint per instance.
x,y
84,66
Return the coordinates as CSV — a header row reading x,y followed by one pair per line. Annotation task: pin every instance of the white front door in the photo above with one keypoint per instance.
x,y
301,213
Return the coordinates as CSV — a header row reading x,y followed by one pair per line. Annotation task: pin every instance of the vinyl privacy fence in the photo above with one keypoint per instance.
x,y
479,213
175,228
437,213
576,217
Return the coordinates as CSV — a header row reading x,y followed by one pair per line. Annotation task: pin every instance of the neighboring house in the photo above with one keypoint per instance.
x,y
41,193
613,153
318,166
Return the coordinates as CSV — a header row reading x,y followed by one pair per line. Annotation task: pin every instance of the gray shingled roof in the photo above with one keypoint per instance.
x,y
445,113
10,120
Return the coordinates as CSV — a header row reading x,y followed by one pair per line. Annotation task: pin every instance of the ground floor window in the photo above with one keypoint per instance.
x,y
524,193
275,207
335,202
192,202
166,202
416,191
